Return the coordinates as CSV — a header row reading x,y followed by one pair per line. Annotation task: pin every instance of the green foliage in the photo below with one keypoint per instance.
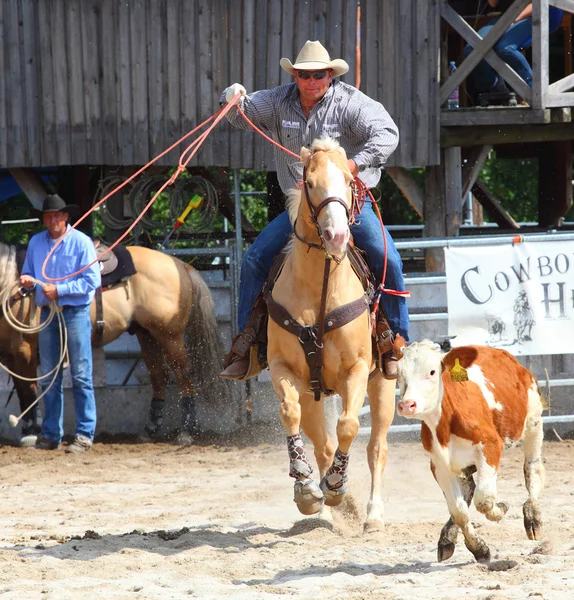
x,y
515,183
15,209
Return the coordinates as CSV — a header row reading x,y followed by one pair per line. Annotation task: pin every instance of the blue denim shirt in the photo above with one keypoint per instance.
x,y
74,252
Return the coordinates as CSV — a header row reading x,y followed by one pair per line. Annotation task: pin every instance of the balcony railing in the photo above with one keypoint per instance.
x,y
542,94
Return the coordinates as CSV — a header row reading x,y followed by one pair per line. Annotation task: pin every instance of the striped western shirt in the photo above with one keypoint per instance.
x,y
361,125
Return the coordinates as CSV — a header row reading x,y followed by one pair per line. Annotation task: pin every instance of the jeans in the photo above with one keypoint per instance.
x,y
79,328
368,236
517,36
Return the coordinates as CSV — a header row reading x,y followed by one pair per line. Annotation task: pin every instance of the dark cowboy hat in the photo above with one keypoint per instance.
x,y
53,203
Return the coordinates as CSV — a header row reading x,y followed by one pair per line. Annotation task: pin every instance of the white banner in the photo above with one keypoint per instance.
x,y
517,297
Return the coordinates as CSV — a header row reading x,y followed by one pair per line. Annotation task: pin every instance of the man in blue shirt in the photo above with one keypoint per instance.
x,y
74,296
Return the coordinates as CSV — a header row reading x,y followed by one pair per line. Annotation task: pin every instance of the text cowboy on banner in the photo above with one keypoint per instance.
x,y
517,297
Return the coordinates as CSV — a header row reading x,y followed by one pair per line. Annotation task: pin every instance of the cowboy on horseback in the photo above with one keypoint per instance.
x,y
295,114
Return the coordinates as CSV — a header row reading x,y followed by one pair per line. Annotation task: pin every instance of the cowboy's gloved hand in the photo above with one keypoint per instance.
x,y
232,90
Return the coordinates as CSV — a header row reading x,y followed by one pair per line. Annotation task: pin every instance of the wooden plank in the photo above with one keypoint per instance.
x,y
3,69
481,49
319,18
453,190
249,35
472,167
125,86
273,67
334,23
493,206
567,5
91,41
288,49
494,134
539,53
30,58
472,38
422,123
48,128
261,66
347,38
409,188
434,65
493,116
220,136
235,42
303,25
562,85
16,138
156,48
61,89
77,113
139,78
560,100
108,16
403,82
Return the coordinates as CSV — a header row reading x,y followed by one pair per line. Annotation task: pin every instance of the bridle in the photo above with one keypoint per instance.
x,y
315,211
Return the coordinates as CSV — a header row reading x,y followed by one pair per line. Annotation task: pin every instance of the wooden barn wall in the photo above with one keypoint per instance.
x,y
115,82
399,67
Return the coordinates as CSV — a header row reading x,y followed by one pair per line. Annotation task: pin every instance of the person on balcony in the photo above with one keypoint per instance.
x,y
509,47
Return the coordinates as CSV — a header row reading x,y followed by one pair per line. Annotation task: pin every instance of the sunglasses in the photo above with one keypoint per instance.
x,y
314,74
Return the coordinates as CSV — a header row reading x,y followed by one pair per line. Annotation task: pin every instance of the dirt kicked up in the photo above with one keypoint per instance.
x,y
153,521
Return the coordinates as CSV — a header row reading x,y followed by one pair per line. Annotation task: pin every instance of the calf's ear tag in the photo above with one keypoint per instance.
x,y
458,372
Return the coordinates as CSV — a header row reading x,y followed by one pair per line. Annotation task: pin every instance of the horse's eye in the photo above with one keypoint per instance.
x,y
309,184
432,373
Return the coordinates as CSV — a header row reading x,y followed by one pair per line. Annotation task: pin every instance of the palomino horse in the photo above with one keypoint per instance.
x,y
166,304
321,226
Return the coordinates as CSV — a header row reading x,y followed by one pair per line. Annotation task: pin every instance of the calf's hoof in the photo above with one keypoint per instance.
x,y
532,520
308,496
445,551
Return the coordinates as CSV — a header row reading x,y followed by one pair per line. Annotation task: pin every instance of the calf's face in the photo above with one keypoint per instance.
x,y
419,379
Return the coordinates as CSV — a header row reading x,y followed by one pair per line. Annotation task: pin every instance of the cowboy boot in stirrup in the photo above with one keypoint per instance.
x,y
385,338
243,360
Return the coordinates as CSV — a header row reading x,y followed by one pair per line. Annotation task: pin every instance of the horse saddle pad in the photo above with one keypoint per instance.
x,y
115,266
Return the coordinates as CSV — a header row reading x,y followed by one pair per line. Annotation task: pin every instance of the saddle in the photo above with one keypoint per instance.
x,y
115,266
252,343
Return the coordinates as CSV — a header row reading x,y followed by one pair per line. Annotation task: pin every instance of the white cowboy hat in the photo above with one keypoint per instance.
x,y
314,57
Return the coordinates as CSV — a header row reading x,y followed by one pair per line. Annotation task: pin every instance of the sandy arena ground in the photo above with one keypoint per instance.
x,y
154,521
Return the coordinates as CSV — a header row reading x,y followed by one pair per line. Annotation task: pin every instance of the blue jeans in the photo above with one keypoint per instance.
x,y
517,36
368,236
79,328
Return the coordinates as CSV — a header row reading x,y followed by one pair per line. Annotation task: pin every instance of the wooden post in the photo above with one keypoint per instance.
x,y
453,190
554,182
539,53
435,215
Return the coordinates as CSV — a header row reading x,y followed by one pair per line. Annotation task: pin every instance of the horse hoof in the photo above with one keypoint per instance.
x,y
445,552
308,497
373,526
333,497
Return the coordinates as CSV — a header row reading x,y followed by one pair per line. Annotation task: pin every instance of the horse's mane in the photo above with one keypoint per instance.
x,y
7,264
323,144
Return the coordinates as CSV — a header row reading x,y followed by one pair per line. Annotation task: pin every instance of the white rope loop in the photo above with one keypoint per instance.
x,y
29,329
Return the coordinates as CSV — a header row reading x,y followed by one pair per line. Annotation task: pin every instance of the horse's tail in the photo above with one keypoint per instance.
x,y
202,337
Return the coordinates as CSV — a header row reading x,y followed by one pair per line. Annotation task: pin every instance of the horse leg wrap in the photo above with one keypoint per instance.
x,y
155,416
189,418
299,465
335,480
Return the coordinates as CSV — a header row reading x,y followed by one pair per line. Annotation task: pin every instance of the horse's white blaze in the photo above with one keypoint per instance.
x,y
333,218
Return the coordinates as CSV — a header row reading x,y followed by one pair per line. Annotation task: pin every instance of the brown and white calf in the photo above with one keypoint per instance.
x,y
466,424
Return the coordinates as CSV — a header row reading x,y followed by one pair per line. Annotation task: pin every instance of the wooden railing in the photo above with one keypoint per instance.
x,y
542,94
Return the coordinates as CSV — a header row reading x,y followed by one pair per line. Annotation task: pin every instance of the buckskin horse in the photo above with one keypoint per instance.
x,y
320,217
166,304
